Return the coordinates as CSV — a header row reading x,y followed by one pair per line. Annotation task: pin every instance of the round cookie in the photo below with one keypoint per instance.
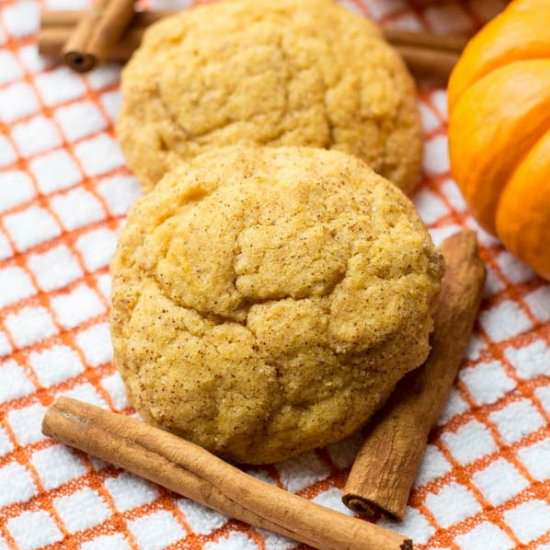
x,y
264,72
267,300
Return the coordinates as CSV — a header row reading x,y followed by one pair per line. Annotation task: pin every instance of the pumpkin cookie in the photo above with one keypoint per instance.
x,y
285,72
267,300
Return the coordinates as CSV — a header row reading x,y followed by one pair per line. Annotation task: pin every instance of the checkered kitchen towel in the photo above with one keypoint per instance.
x,y
64,191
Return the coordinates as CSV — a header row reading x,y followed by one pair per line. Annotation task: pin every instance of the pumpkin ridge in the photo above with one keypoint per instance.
x,y
511,36
522,222
522,112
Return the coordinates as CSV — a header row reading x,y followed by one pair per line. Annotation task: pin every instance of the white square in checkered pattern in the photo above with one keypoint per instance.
x,y
119,193
453,503
95,343
106,542
32,530
433,465
32,61
114,386
81,510
332,498
99,155
15,284
485,535
59,85
54,171
35,136
57,465
15,188
453,194
539,302
469,442
543,395
493,284
111,103
13,382
55,268
17,484
201,520
454,406
504,321
301,472
276,542
515,270
26,423
528,520
87,393
104,285
439,100
7,153
31,226
80,119
487,382
16,101
414,525
530,361
129,491
484,238
436,157
232,541
77,208
30,325
97,248
56,364
5,248
5,443
67,4
5,346
77,306
9,67
499,482
475,347
430,207
536,458
21,18
157,530
517,420
429,119
104,75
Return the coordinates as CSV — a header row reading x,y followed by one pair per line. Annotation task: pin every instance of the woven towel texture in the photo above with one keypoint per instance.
x,y
64,192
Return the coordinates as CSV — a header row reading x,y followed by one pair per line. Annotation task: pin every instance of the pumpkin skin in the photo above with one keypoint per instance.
x,y
499,129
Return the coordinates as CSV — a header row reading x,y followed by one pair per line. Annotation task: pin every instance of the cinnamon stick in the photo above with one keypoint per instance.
x,y
426,54
427,62
385,468
96,33
193,472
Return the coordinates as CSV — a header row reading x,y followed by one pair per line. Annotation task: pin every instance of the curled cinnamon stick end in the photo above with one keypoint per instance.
x,y
193,472
386,466
96,33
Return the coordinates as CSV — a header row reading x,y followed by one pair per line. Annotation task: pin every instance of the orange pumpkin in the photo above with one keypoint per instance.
x,y
499,129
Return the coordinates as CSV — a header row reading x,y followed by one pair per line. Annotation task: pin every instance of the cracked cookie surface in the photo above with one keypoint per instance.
x,y
267,300
262,72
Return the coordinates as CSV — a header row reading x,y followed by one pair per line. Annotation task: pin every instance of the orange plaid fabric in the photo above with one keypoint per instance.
x,y
64,192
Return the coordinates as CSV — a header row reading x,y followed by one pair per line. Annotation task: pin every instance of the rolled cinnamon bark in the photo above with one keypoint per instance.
x,y
193,472
385,468
97,32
